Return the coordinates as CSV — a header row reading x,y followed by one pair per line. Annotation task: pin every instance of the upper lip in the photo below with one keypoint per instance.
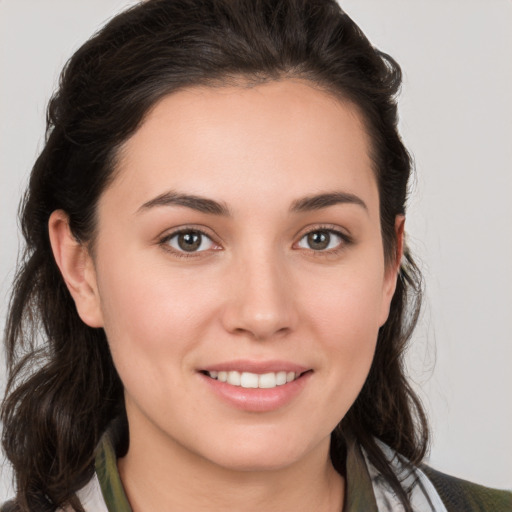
x,y
260,367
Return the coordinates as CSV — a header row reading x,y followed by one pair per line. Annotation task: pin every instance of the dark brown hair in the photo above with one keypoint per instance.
x,y
63,389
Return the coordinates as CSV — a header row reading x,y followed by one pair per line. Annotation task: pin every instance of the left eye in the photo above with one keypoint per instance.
x,y
320,240
190,241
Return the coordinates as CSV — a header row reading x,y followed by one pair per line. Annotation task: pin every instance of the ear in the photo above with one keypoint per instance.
x,y
393,268
77,269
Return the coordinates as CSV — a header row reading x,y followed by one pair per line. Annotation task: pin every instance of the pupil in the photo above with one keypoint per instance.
x,y
189,241
319,240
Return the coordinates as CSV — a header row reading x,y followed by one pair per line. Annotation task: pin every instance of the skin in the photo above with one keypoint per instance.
x,y
257,291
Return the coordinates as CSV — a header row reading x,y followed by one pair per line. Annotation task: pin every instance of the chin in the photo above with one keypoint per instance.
x,y
264,454
258,462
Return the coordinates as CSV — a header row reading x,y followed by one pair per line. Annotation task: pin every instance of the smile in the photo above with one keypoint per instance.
x,y
254,380
256,386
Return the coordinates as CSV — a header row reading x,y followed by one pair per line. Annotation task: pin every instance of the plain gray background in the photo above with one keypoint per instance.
x,y
456,118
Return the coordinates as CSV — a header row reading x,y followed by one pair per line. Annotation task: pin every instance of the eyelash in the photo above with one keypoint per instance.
x,y
345,240
164,242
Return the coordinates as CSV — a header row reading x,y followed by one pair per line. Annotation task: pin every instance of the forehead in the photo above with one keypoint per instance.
x,y
270,141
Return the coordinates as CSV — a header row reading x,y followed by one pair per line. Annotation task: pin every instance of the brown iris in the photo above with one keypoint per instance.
x,y
319,240
190,240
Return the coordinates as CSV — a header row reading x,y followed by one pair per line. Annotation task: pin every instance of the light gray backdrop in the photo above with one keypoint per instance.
x,y
456,118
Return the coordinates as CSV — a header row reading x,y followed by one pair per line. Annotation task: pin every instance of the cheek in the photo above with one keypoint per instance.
x,y
345,318
151,314
350,328
347,303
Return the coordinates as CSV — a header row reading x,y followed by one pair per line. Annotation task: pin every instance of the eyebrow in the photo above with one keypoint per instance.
x,y
212,207
201,204
319,201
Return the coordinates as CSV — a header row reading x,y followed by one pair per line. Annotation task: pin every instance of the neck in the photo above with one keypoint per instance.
x,y
159,474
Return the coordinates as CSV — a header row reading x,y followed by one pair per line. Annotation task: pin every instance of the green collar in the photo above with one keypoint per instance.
x,y
108,476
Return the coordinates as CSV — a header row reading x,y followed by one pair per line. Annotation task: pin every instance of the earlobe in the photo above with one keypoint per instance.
x,y
76,267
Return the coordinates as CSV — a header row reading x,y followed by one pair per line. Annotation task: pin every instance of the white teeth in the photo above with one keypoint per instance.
x,y
254,380
249,380
281,378
267,380
234,378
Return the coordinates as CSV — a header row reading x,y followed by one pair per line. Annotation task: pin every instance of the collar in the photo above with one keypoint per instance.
x,y
108,475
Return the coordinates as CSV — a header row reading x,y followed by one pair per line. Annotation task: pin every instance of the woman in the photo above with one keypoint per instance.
x,y
216,257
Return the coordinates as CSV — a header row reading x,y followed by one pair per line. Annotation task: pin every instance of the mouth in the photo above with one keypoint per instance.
x,y
256,386
249,380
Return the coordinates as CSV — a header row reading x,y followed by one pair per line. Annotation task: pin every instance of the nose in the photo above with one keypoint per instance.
x,y
260,303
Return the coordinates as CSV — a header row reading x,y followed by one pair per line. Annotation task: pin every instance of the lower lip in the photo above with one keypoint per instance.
x,y
257,399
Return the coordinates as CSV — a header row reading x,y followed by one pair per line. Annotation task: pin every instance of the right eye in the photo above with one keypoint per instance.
x,y
189,241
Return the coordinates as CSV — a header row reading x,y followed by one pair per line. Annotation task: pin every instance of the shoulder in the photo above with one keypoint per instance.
x,y
461,495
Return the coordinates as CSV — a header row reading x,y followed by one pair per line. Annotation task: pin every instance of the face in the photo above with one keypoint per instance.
x,y
241,240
